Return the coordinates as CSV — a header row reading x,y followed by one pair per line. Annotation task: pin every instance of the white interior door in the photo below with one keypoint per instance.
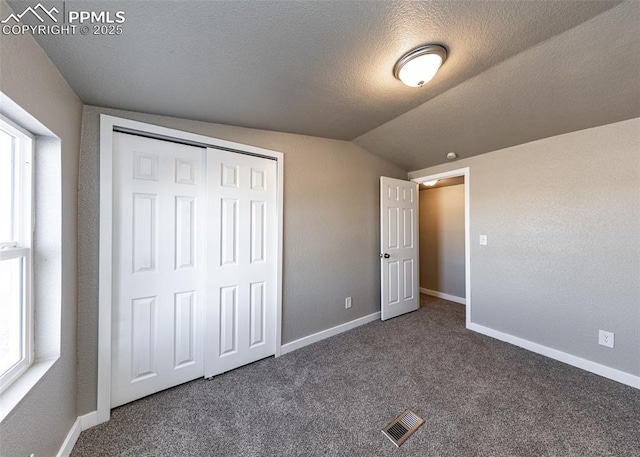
x,y
398,247
159,266
242,273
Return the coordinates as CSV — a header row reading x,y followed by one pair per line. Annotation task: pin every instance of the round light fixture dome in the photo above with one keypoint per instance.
x,y
419,66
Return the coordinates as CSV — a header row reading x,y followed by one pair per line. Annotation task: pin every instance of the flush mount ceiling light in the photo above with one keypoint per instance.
x,y
430,183
419,66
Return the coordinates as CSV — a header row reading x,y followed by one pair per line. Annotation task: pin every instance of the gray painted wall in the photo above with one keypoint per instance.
x,y
40,422
331,231
442,240
562,217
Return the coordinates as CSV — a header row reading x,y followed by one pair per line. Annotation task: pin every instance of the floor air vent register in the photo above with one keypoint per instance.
x,y
402,427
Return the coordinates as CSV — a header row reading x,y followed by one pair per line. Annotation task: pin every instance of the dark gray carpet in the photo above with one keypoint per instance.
x,y
479,397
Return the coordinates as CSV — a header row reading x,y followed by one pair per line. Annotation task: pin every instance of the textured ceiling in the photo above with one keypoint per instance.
x,y
585,77
320,68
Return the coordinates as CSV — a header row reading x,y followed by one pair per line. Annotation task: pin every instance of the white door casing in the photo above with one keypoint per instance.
x,y
108,236
242,264
465,173
398,247
159,266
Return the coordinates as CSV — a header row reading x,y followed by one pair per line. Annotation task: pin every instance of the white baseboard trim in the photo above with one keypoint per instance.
x,y
89,420
81,424
587,365
437,294
70,440
307,340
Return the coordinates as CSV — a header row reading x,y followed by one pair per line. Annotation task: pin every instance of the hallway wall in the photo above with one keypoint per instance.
x,y
442,240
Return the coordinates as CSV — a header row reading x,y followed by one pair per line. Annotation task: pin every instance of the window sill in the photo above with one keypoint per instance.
x,y
14,394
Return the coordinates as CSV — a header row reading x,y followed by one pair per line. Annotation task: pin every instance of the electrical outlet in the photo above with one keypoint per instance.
x,y
605,338
347,303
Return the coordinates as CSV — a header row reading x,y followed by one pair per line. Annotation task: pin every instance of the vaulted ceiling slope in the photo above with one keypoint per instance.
x,y
585,77
324,68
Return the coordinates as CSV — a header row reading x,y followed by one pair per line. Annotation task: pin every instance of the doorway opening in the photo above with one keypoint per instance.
x,y
444,237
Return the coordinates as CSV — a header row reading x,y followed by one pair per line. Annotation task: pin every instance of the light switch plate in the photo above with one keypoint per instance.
x,y
483,240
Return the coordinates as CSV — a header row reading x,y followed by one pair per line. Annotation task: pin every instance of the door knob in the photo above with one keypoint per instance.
x,y
385,255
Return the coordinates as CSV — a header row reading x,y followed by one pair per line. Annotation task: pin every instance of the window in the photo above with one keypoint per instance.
x,y
16,242
31,259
